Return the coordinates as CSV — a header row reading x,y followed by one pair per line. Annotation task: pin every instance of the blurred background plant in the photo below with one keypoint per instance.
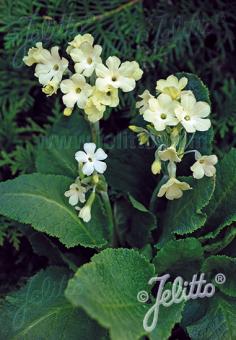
x,y
165,37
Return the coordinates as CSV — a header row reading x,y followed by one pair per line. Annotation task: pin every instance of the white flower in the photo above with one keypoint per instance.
x,y
204,165
173,189
86,57
191,113
160,112
171,86
35,54
118,75
143,105
92,160
51,68
169,154
78,40
94,109
76,193
76,91
85,213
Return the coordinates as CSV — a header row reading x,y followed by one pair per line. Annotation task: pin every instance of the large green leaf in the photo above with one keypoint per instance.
x,y
184,216
168,317
107,289
218,323
224,265
179,258
39,310
39,200
221,210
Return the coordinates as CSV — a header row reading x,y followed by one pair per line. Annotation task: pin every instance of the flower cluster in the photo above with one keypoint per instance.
x,y
173,114
91,167
92,86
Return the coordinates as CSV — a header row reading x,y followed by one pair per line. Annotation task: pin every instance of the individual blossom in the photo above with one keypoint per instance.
x,y
76,91
35,55
204,165
143,105
192,114
169,154
173,189
51,69
94,109
76,193
171,86
91,160
86,57
117,75
85,211
109,96
79,40
160,112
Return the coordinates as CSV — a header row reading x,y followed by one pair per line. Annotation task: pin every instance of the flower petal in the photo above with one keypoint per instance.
x,y
100,166
81,156
88,168
100,155
89,148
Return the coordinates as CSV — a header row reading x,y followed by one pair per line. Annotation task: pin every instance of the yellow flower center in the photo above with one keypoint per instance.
x,y
163,116
78,90
56,67
109,93
114,78
201,161
89,60
187,117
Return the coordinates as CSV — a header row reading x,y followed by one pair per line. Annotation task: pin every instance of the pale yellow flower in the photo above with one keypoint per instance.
x,y
161,112
143,105
86,57
169,154
109,96
76,91
204,166
50,69
35,55
78,40
171,86
191,114
76,193
173,189
117,75
94,109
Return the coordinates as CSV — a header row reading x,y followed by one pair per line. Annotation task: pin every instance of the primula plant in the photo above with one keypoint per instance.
x,y
111,214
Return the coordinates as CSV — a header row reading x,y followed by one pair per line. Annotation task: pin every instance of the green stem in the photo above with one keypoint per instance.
x,y
109,212
95,132
152,204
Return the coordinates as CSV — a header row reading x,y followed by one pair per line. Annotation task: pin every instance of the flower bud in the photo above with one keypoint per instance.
x,y
156,167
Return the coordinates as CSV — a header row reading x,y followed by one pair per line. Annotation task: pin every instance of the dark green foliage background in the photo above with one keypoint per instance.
x,y
165,37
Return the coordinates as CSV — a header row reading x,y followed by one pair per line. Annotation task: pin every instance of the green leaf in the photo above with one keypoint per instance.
x,y
168,317
39,200
179,258
221,240
39,310
184,216
225,265
218,323
221,210
196,85
75,125
134,222
107,289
